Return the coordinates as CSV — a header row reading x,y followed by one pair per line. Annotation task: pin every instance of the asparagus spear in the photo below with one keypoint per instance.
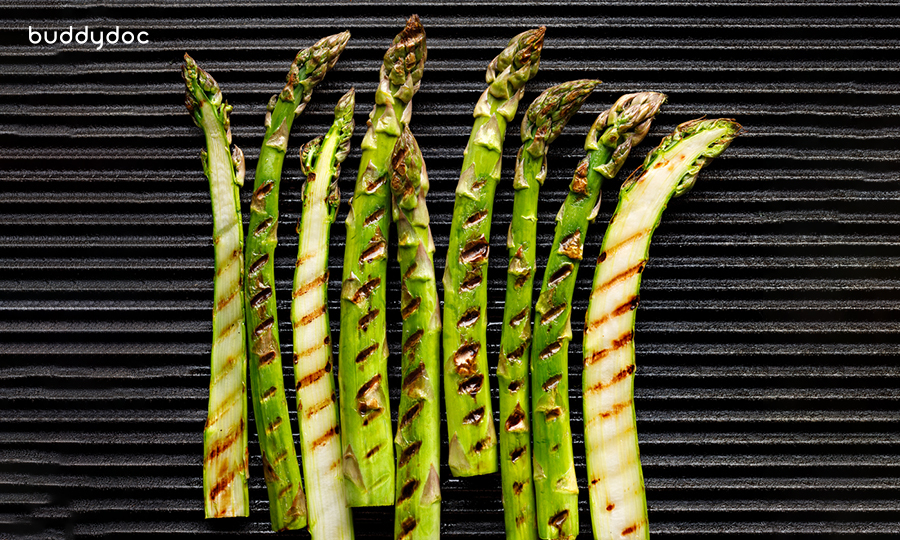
x,y
225,433
617,499
608,143
287,504
544,121
418,494
317,412
470,418
366,438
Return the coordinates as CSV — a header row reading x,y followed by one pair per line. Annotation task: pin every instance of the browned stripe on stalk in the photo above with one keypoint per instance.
x,y
374,450
627,274
373,217
631,528
471,385
367,319
620,245
410,414
310,317
306,287
365,290
413,376
469,318
474,418
269,393
260,262
232,260
261,297
323,440
554,312
618,377
280,457
375,250
616,409
273,425
223,444
412,341
410,308
231,400
365,353
220,486
311,378
630,305
318,407
225,301
286,490
310,351
407,453
617,344
408,489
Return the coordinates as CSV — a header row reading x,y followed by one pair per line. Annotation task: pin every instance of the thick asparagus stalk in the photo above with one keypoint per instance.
x,y
365,411
287,504
418,496
544,121
225,433
617,499
470,418
317,412
608,144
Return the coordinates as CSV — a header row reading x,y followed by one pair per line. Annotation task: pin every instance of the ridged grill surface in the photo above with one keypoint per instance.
x,y
767,384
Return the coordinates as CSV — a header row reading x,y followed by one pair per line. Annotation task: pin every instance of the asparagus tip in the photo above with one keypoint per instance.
x,y
549,113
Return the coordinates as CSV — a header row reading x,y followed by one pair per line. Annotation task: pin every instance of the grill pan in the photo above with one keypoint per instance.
x,y
767,380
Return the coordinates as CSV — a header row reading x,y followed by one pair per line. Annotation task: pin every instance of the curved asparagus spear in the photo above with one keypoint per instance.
x,y
287,504
470,418
317,412
608,144
418,496
544,121
365,411
617,499
225,433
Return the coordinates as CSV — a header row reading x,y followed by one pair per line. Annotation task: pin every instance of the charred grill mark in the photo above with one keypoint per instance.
x,y
474,418
407,453
475,219
522,280
472,280
559,519
518,487
515,385
630,305
553,414
267,358
222,445
617,408
319,407
469,318
618,377
279,458
285,490
269,393
220,486
225,301
368,386
311,378
263,190
554,312
310,351
273,425
407,526
365,353
310,317
475,252
264,326
366,289
263,226
306,287
616,344
412,341
516,354
261,297
257,266
550,350
561,274
481,445
516,421
410,308
410,414
374,217
410,271
408,490
520,317
630,529
472,385
413,376
373,184
633,238
516,454
464,359
627,274
551,383
374,450
375,250
323,440
367,319
609,507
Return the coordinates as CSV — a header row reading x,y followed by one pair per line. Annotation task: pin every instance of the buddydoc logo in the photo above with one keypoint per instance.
x,y
85,35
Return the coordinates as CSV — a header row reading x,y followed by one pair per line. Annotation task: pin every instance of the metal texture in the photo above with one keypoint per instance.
x,y
767,337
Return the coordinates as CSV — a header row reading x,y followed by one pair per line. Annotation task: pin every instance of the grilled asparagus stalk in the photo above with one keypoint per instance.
x,y
608,144
544,121
617,498
287,504
418,507
317,412
365,411
470,419
225,433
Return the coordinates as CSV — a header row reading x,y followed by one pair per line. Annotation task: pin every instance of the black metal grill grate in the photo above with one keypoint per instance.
x,y
767,388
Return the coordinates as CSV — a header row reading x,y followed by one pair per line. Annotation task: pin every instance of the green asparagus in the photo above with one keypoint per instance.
x,y
287,504
225,433
617,498
317,412
544,121
608,144
470,418
418,494
366,438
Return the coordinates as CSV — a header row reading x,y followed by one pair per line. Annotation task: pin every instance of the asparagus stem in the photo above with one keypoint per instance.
x,y
287,504
418,494
225,433
329,513
608,144
470,418
366,438
617,498
544,121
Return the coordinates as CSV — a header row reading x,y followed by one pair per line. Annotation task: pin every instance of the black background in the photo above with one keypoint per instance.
x,y
766,388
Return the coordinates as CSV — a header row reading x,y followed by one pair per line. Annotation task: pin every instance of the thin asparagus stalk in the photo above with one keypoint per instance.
x,y
617,498
544,121
470,418
418,495
317,412
608,144
287,503
225,433
365,411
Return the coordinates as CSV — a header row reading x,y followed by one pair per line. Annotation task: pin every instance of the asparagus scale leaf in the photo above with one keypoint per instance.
x,y
365,411
608,143
317,412
470,419
617,498
544,120
287,503
418,493
225,433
